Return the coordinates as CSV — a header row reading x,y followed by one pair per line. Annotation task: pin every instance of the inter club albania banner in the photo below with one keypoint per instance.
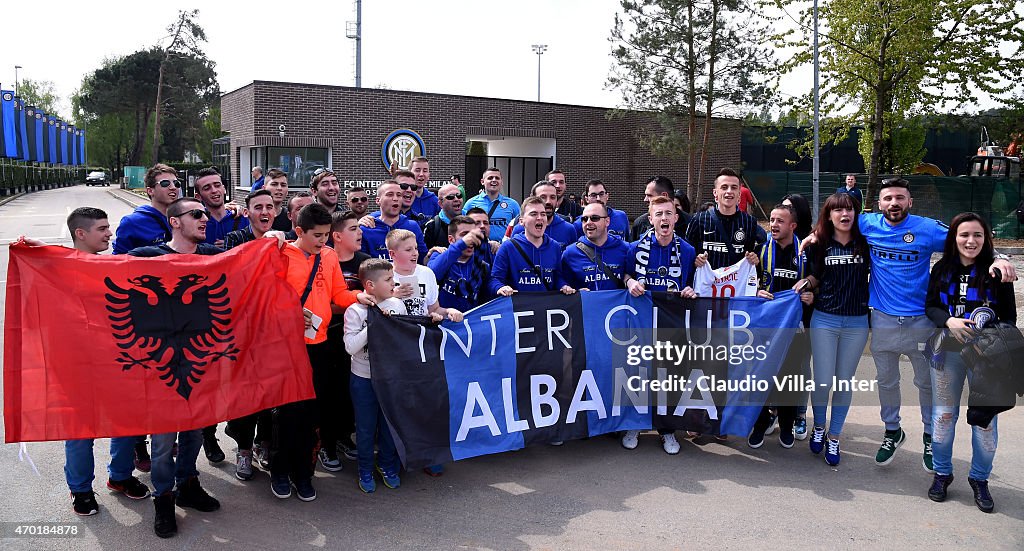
x,y
102,346
540,368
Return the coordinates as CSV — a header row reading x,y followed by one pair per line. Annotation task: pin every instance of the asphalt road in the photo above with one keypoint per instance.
x,y
585,495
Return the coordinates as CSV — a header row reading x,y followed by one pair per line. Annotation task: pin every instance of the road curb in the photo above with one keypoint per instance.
x,y
126,197
1010,250
6,200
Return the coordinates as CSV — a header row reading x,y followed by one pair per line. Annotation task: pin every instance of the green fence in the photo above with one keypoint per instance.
x,y
939,197
16,177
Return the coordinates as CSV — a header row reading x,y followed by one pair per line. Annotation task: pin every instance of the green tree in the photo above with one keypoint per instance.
x,y
40,93
686,61
185,37
127,86
885,62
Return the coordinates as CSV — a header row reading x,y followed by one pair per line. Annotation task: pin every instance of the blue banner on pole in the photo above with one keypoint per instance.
x,y
51,136
23,122
10,131
40,139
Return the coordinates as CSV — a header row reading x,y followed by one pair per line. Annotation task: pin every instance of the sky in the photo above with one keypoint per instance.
x,y
464,47
479,48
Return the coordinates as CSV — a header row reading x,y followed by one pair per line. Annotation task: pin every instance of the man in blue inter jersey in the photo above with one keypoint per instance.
x,y
501,209
529,262
901,248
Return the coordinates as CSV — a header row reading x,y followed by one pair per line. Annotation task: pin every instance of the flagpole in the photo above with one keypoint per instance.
x,y
815,190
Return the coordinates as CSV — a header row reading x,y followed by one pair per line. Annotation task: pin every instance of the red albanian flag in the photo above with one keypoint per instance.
x,y
101,346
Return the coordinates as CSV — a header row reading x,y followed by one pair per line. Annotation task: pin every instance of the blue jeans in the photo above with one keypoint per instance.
x,y
79,463
837,343
371,428
891,337
947,386
167,470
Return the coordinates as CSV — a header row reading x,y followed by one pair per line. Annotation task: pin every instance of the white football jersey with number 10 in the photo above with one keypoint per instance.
x,y
738,280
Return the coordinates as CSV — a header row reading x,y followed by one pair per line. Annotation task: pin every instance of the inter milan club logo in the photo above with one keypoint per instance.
x,y
400,148
178,333
908,237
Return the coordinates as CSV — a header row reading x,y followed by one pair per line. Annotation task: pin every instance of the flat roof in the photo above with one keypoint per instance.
x,y
424,94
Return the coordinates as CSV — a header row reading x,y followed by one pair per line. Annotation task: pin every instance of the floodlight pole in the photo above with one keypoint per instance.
x,y
539,49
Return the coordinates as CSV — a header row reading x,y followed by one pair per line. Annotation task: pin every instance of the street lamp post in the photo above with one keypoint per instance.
x,y
16,67
539,49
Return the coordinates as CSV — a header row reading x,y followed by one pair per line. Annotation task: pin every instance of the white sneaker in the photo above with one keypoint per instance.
x,y
631,439
669,444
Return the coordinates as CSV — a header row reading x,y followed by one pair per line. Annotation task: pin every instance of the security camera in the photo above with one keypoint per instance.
x,y
282,128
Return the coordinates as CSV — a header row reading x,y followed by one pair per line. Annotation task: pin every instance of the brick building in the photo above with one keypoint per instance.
x,y
300,127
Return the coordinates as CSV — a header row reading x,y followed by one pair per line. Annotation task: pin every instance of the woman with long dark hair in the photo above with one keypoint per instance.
x,y
803,213
839,264
959,291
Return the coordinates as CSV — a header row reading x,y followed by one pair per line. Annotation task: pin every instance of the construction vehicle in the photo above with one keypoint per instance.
x,y
992,162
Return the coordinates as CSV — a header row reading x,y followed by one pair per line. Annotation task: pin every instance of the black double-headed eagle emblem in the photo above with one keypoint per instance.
x,y
179,333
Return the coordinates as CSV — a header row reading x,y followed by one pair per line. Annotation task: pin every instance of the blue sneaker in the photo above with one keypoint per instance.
x,y
281,486
800,428
304,489
390,477
832,453
818,440
366,482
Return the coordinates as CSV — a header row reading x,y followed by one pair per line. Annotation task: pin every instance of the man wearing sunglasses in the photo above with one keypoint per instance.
x,y
357,201
618,222
435,233
188,220
597,261
425,202
147,225
407,183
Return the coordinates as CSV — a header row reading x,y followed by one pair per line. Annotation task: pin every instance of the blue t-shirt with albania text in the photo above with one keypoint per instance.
x,y
900,259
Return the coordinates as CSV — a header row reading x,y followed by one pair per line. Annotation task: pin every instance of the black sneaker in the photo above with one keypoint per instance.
x,y
213,452
84,503
347,448
764,422
304,489
786,438
191,494
940,483
164,523
982,497
130,487
142,460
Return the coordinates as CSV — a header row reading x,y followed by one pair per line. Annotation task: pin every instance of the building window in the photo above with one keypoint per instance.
x,y
297,162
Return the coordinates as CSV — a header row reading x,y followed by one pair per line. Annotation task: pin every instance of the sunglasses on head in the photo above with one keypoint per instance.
x,y
321,170
169,183
407,187
198,214
359,199
452,197
591,218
